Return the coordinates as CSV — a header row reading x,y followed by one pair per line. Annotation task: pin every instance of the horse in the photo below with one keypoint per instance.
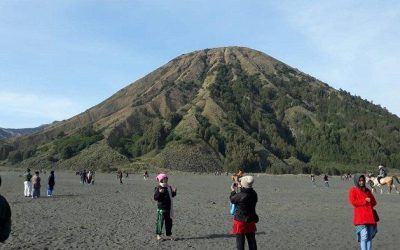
x,y
345,177
388,180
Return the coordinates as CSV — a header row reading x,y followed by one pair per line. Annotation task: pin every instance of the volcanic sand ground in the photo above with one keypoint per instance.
x,y
293,214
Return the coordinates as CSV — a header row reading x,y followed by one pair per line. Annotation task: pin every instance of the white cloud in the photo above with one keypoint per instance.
x,y
21,106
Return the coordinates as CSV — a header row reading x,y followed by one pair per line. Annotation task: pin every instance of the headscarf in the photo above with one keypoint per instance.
x,y
247,181
160,177
356,178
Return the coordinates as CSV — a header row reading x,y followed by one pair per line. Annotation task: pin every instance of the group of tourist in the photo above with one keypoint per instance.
x,y
243,197
325,178
32,184
86,177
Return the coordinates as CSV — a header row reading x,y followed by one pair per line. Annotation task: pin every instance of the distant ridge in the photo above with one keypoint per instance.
x,y
6,133
220,109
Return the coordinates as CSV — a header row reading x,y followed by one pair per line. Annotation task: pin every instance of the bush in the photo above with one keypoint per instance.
x,y
15,156
5,150
51,158
68,147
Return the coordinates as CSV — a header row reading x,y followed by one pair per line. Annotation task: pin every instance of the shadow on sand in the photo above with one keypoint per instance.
x,y
30,199
60,196
212,236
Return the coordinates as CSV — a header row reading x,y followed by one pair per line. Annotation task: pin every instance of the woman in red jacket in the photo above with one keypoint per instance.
x,y
363,202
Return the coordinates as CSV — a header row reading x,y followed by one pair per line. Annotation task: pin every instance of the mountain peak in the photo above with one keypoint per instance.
x,y
220,109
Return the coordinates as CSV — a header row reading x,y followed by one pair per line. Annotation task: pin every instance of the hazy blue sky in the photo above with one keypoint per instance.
x,y
59,58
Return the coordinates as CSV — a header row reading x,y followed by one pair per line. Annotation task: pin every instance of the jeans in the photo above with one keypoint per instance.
x,y
251,240
50,191
36,193
365,239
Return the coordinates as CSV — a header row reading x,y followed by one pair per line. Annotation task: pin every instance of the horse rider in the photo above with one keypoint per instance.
x,y
382,173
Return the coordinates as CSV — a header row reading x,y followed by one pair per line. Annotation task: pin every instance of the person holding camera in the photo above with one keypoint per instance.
x,y
245,217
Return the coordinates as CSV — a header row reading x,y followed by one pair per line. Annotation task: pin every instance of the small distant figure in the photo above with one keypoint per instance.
x,y
84,176
36,185
326,180
145,175
28,183
51,184
313,179
163,194
119,176
5,218
127,174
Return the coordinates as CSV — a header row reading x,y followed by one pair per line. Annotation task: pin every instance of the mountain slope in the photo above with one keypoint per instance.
x,y
218,109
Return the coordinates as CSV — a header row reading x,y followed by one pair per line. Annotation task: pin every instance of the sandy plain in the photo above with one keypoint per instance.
x,y
293,214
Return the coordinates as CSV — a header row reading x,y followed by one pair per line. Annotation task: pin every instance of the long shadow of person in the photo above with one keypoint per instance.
x,y
212,236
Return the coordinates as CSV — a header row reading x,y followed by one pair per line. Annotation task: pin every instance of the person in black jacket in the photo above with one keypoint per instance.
x,y
5,218
51,183
163,194
245,217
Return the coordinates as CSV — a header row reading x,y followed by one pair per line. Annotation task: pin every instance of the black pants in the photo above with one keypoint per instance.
x,y
251,240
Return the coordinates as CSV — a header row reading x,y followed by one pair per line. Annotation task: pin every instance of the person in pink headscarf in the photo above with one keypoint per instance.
x,y
163,194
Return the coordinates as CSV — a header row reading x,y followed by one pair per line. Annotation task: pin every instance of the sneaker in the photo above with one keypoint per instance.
x,y
159,237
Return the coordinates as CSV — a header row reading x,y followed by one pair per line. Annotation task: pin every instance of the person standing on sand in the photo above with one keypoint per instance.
x,y
245,217
28,183
326,180
84,177
119,176
5,218
36,185
313,179
163,194
51,183
365,217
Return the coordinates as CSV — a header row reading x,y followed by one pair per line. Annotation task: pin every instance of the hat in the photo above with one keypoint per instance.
x,y
247,181
160,177
380,166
